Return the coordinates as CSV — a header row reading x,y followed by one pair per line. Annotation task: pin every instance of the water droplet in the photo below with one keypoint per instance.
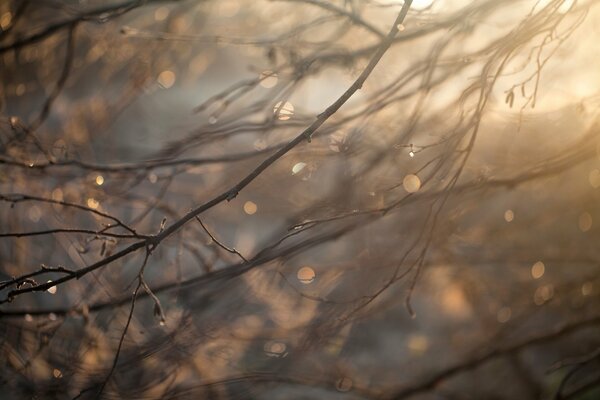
x,y
411,183
51,289
99,180
411,154
285,111
400,27
166,79
509,215
268,79
537,270
250,207
57,373
298,167
28,318
503,315
585,222
306,275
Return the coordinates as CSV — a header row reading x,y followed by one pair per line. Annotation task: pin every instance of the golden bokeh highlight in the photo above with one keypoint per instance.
x,y
543,294
455,303
417,344
250,207
594,178
166,79
20,90
283,111
411,183
509,215
503,315
585,222
34,213
93,203
99,180
161,13
5,20
268,79
274,348
306,275
57,194
537,270
344,384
